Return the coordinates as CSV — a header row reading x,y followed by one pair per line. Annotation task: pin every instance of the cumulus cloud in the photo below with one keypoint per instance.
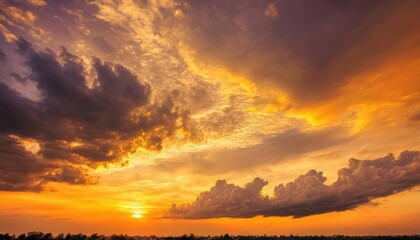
x,y
358,183
89,114
224,200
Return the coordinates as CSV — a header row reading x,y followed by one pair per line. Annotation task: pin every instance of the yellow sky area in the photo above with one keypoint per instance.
x,y
230,82
75,203
382,91
267,103
370,101
387,89
387,93
368,95
75,214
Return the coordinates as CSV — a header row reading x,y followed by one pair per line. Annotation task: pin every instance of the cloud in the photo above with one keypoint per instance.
x,y
90,113
2,55
102,45
38,3
237,200
315,55
23,170
72,175
357,184
21,16
271,10
271,150
8,36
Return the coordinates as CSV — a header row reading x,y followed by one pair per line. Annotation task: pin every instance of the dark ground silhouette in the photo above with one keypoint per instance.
x,y
49,236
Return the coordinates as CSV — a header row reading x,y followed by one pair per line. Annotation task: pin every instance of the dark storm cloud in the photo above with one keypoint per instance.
x,y
18,114
270,151
22,170
308,49
70,174
359,183
84,118
19,169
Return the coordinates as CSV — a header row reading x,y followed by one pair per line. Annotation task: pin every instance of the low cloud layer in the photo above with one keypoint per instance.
x,y
358,183
89,113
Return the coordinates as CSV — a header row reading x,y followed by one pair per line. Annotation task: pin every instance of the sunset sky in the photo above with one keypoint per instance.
x,y
209,117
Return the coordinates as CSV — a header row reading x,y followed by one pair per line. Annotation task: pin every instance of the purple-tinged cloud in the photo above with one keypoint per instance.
x,y
357,184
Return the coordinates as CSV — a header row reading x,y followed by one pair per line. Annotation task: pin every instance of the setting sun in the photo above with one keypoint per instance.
x,y
137,215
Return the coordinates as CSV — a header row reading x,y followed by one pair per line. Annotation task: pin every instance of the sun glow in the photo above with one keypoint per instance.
x,y
137,215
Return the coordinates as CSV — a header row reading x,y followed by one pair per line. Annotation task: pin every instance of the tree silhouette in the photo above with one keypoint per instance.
x,y
80,236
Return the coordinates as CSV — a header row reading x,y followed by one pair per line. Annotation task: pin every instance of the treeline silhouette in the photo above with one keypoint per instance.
x,y
49,236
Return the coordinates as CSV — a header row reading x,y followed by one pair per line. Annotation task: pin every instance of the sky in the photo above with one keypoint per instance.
x,y
209,117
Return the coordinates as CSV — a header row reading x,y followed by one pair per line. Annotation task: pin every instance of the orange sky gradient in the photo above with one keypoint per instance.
x,y
113,111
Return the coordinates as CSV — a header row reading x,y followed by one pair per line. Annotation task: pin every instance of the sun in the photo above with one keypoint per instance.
x,y
136,215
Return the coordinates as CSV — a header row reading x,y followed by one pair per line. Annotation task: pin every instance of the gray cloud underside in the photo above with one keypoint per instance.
x,y
358,183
